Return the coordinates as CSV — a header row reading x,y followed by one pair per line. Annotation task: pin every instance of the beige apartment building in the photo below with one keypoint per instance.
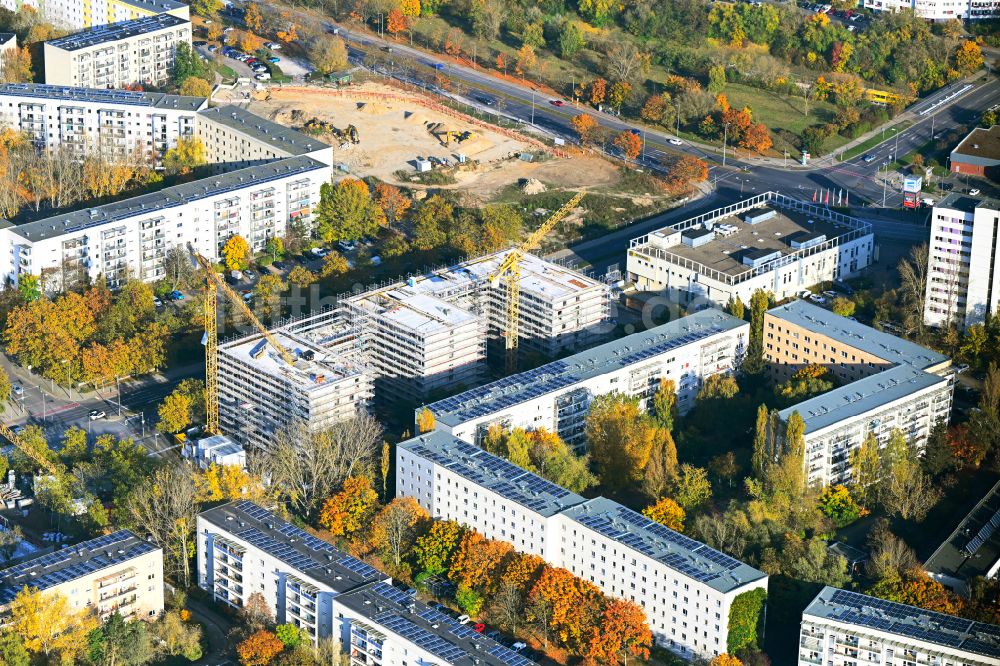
x,y
114,573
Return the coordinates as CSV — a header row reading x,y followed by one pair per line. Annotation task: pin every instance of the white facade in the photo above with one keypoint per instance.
x,y
963,280
556,396
81,14
685,587
215,450
940,10
795,245
119,55
841,628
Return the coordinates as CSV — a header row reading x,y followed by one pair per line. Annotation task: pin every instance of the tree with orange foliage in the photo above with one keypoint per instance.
x,y
476,561
722,102
522,570
757,138
260,648
622,629
971,450
392,201
453,42
916,588
968,57
396,22
252,18
629,143
501,63
689,169
598,91
655,108
571,605
725,659
351,508
584,124
666,512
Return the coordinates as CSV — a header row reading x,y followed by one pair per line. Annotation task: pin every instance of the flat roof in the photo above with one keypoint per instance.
x,y
683,554
885,346
295,547
72,562
266,131
155,6
980,147
492,472
967,203
862,396
396,610
947,631
324,369
102,96
149,204
422,313
116,31
593,362
973,548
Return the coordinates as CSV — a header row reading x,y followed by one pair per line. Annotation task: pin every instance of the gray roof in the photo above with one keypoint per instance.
x,y
72,562
908,622
492,473
980,147
865,338
116,31
973,548
593,362
862,396
6,37
394,610
966,203
149,204
296,548
155,6
102,96
683,554
278,136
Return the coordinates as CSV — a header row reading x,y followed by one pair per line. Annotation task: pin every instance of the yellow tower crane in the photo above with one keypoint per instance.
x,y
510,271
38,458
213,284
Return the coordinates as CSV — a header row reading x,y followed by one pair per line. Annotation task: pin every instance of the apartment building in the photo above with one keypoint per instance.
x,y
963,283
243,549
770,242
972,550
841,628
261,394
86,119
430,333
235,138
117,572
885,384
940,10
136,52
82,14
557,396
685,587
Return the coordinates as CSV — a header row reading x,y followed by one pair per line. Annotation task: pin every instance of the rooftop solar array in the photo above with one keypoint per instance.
x,y
116,31
72,562
900,619
100,95
983,535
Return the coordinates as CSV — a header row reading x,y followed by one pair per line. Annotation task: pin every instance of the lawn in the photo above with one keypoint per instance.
x,y
873,141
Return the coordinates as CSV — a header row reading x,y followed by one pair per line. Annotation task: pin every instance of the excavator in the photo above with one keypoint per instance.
x,y
445,136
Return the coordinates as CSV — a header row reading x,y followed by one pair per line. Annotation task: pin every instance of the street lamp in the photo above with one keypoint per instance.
x,y
118,389
69,378
725,138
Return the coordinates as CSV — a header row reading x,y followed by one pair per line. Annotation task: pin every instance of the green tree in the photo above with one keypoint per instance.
x,y
865,462
716,79
207,8
5,389
432,552
346,211
29,287
571,40
746,621
843,306
12,650
753,363
187,63
762,455
735,307
291,635
692,489
621,439
665,404
430,221
469,600
120,643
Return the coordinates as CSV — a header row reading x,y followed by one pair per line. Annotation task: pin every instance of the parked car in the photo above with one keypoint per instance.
x,y
176,296
200,43
817,299
212,48
974,191
18,429
319,252
96,414
17,390
263,76
274,46
829,293
280,265
274,60
346,246
464,619
805,293
157,303
961,368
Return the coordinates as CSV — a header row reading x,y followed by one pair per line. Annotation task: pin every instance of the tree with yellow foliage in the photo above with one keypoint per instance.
x,y
253,18
48,626
667,512
396,527
725,660
236,253
425,421
228,482
188,154
351,508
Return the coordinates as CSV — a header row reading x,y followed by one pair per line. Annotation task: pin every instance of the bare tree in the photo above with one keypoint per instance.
x,y
624,62
165,509
508,606
726,532
913,287
889,554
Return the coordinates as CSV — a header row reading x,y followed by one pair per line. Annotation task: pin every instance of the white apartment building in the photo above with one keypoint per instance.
x,y
236,138
685,587
82,14
940,10
430,333
963,283
243,548
770,242
117,572
841,628
85,119
886,384
140,51
557,396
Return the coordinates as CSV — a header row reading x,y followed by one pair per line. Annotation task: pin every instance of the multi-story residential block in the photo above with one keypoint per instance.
x,y
770,242
686,588
940,10
886,384
244,549
430,333
134,52
118,572
86,119
556,396
81,14
963,280
235,138
979,152
841,628
972,549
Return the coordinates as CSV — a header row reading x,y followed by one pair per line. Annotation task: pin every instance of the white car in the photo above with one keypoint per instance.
x,y
263,76
96,414
274,46
805,293
157,303
974,191
817,299
675,142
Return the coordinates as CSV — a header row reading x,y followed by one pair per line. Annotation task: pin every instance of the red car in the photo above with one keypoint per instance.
x,y
557,102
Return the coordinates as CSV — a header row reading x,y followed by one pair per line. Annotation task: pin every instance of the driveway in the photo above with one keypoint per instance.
x,y
216,634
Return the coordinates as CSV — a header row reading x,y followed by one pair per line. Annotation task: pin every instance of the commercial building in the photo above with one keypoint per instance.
x,y
940,10
979,152
136,52
117,572
685,587
963,283
430,333
973,547
770,242
885,383
245,549
841,628
556,396
82,14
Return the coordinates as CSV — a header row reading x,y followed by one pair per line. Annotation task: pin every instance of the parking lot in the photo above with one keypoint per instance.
x,y
855,20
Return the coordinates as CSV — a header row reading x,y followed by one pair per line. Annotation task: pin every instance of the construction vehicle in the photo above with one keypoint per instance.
x,y
510,272
213,285
347,135
445,136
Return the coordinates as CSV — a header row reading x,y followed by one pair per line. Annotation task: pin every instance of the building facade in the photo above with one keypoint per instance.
x,y
557,396
841,628
686,588
770,242
83,14
117,572
137,52
940,10
963,283
979,152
